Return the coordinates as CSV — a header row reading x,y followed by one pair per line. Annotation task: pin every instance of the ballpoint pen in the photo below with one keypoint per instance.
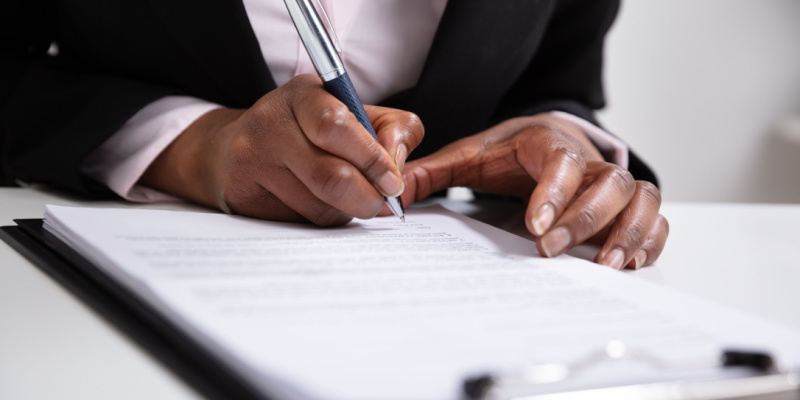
x,y
323,52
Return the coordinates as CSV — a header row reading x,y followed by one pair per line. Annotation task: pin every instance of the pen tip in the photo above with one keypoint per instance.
x,y
403,218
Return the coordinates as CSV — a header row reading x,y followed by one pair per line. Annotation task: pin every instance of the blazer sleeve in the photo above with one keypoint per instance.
x,y
566,72
55,109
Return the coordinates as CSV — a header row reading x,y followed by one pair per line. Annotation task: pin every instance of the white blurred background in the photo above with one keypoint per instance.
x,y
708,92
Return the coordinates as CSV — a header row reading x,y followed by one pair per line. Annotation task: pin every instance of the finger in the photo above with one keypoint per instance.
x,y
437,171
259,180
399,132
286,199
632,227
409,195
334,181
297,195
654,245
606,196
421,181
559,168
330,125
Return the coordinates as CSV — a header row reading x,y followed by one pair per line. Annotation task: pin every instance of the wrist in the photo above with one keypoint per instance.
x,y
187,167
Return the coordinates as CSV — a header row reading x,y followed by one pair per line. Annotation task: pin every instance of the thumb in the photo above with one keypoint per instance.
x,y
433,173
418,184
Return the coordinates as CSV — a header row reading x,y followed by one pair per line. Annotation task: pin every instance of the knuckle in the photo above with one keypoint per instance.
x,y
333,117
572,157
622,179
333,183
588,220
542,130
634,237
374,164
256,120
268,116
650,193
241,152
558,190
415,126
332,120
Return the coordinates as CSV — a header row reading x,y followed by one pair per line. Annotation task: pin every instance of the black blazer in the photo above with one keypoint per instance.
x,y
490,60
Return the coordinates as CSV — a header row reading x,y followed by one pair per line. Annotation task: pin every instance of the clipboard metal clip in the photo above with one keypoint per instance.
x,y
764,380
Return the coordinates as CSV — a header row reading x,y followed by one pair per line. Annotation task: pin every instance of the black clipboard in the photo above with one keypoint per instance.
x,y
148,328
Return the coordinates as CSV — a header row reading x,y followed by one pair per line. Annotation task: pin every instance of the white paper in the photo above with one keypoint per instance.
x,y
386,310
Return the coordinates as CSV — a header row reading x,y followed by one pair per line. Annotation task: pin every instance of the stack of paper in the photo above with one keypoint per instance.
x,y
380,309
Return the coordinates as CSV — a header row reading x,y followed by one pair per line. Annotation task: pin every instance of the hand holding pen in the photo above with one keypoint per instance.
x,y
323,51
298,154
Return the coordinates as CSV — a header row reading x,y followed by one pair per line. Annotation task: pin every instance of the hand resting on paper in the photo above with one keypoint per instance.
x,y
573,196
298,154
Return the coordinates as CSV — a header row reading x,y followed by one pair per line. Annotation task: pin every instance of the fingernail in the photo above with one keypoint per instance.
x,y
542,219
638,261
614,258
390,184
556,241
400,156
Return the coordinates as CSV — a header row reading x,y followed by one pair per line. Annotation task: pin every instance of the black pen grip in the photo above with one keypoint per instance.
x,y
342,88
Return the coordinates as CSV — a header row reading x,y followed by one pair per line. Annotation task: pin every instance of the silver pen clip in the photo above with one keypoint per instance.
x,y
329,28
316,37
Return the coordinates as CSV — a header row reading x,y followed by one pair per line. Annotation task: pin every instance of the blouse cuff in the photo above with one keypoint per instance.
x,y
122,159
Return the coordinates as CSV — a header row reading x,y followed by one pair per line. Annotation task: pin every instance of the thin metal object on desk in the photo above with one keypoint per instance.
x,y
769,383
766,387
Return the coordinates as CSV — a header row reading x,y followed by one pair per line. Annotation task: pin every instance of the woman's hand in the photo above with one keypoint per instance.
x,y
297,154
573,196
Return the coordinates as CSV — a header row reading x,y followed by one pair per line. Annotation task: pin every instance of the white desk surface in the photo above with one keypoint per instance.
x,y
53,346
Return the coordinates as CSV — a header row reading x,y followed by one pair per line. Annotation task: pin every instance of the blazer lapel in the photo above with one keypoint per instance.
x,y
218,36
479,51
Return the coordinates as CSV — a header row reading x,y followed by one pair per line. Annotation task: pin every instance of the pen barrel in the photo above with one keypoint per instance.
x,y
321,49
341,88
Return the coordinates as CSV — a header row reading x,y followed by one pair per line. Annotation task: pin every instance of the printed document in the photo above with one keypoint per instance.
x,y
379,309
